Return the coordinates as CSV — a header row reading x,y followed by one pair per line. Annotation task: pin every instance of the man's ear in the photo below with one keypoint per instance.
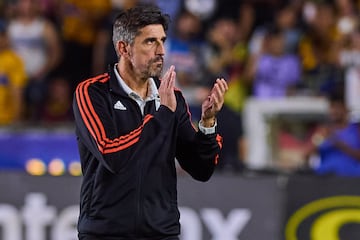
x,y
122,48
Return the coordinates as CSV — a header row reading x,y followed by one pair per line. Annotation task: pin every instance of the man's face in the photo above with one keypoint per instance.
x,y
337,112
146,54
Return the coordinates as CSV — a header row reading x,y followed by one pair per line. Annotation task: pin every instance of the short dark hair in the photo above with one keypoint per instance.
x,y
128,23
336,97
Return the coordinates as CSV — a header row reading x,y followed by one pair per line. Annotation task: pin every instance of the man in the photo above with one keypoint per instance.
x,y
130,127
13,80
338,142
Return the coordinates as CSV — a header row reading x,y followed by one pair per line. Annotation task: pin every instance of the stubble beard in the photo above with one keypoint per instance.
x,y
151,72
155,68
152,69
156,72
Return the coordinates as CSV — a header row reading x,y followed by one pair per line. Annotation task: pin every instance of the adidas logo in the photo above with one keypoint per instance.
x,y
118,105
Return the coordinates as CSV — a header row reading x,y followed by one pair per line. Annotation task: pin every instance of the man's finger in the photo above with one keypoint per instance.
x,y
166,75
222,84
217,99
172,80
168,72
171,77
218,91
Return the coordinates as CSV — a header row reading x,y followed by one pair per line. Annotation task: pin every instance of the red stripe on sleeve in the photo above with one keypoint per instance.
x,y
94,124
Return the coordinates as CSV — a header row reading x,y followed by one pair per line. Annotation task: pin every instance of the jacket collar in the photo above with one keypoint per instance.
x,y
115,85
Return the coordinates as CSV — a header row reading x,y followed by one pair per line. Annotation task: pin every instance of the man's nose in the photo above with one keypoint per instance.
x,y
160,50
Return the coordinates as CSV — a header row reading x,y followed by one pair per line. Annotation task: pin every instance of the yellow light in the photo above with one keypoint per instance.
x,y
56,167
35,166
75,169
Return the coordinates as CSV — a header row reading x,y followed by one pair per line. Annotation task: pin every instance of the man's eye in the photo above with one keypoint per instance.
x,y
150,41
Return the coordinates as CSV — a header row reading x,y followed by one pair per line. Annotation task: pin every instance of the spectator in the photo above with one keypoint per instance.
x,y
227,57
204,9
285,19
36,41
103,45
318,51
12,81
50,10
349,59
266,10
184,50
80,21
222,37
347,16
245,20
338,142
57,105
275,72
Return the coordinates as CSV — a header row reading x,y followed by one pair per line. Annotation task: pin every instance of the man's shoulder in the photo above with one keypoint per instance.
x,y
96,81
93,87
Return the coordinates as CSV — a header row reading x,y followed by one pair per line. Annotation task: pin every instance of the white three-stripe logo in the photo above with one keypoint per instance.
x,y
118,105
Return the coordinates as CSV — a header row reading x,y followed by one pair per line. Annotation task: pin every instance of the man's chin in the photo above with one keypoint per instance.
x,y
157,72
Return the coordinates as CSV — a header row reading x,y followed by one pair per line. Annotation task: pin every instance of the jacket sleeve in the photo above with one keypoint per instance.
x,y
97,130
197,153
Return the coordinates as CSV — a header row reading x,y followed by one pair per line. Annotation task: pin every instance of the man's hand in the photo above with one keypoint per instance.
x,y
166,89
214,102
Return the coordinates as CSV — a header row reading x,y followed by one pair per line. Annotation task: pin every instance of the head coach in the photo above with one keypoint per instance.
x,y
131,125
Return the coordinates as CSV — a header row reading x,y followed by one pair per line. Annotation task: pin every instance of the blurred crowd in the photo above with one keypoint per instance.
x,y
265,49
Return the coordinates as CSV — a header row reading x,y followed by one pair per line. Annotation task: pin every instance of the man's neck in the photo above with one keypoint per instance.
x,y
137,84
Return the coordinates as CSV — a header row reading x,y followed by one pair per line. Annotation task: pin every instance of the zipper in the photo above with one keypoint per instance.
x,y
148,108
138,215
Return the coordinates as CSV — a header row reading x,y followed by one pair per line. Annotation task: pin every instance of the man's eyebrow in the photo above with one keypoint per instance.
x,y
150,39
154,39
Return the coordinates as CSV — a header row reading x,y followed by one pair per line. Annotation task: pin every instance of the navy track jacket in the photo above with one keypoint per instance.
x,y
128,161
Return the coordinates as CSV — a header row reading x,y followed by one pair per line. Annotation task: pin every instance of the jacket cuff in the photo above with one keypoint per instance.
x,y
206,130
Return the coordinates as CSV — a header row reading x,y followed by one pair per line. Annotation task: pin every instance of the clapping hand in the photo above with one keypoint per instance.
x,y
166,89
213,103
